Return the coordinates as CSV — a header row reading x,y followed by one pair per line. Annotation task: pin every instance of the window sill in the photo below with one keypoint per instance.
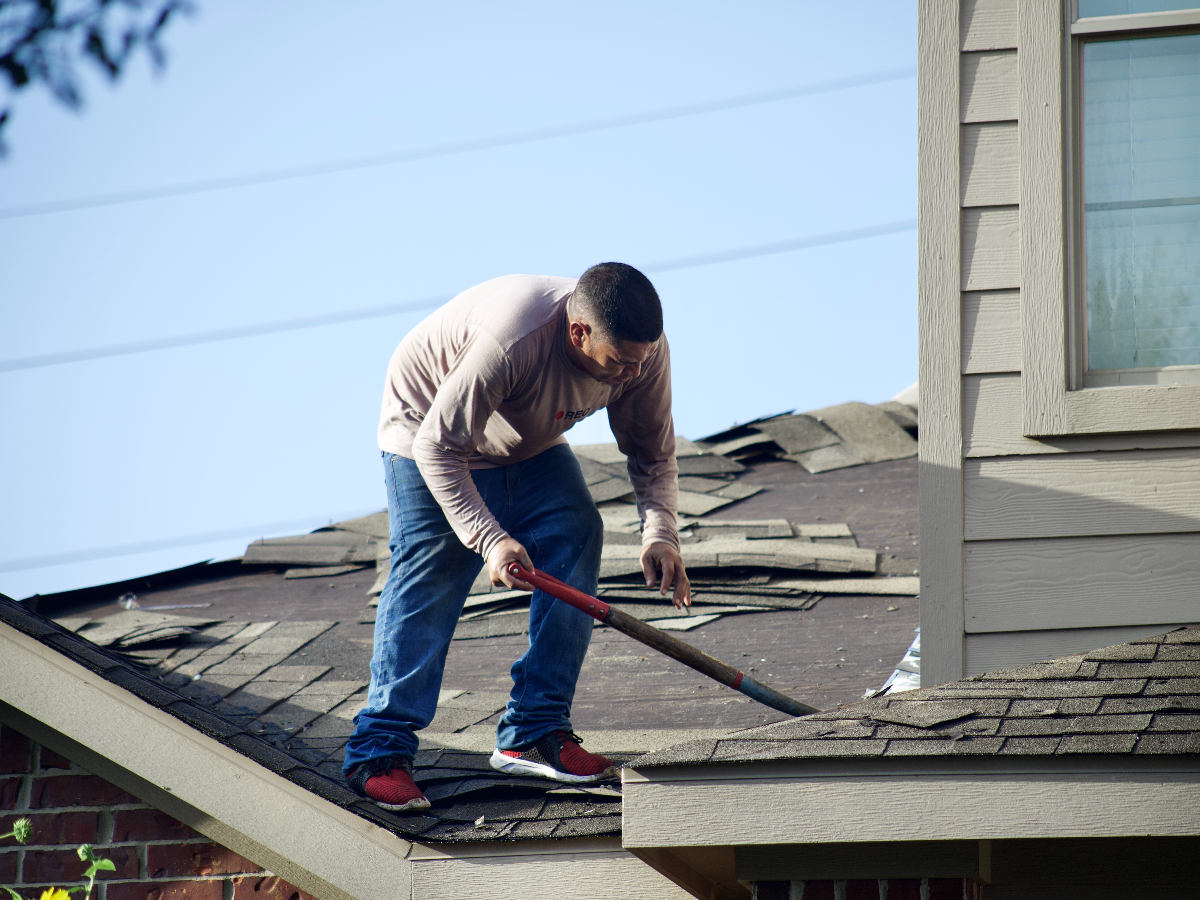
x,y
1164,375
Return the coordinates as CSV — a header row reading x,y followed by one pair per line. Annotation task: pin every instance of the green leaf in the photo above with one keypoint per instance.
x,y
100,865
12,893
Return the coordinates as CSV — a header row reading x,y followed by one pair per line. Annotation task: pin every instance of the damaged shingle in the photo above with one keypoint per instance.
x,y
924,713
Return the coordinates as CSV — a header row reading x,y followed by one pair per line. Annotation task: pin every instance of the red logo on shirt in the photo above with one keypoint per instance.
x,y
573,415
559,414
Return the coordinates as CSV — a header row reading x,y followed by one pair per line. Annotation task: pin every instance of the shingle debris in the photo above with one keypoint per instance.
x,y
849,434
737,566
1132,699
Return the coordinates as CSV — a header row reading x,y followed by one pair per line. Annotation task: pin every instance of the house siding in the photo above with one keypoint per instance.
x,y
157,857
1061,538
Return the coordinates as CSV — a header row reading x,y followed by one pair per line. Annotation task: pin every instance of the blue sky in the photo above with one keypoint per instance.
x,y
276,434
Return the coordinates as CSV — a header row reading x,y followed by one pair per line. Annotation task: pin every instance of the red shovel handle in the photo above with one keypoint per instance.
x,y
595,608
659,640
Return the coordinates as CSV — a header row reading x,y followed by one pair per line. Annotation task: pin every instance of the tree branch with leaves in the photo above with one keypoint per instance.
x,y
40,41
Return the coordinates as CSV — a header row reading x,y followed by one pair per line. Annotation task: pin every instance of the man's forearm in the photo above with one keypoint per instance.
x,y
449,480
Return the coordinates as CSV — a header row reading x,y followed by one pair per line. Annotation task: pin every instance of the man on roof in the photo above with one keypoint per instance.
x,y
476,404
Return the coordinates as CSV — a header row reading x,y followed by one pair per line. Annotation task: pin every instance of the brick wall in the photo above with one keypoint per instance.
x,y
157,857
863,889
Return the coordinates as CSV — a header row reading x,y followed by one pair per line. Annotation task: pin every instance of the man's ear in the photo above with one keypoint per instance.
x,y
579,332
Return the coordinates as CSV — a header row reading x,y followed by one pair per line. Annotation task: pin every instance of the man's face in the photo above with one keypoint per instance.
x,y
611,364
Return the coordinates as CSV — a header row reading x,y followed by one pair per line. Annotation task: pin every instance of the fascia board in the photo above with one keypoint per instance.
x,y
594,867
930,800
568,847
550,875
321,848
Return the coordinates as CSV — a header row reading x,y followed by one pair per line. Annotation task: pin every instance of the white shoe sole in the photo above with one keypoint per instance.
x,y
419,803
514,766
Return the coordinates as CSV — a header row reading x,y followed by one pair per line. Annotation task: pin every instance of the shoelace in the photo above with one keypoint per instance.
x,y
382,765
569,736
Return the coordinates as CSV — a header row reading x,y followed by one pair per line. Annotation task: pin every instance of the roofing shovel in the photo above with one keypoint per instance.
x,y
662,642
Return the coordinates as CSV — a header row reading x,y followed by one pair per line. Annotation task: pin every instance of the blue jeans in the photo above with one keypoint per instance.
x,y
544,503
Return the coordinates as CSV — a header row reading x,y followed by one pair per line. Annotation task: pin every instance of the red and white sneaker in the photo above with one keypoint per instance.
x,y
557,756
389,783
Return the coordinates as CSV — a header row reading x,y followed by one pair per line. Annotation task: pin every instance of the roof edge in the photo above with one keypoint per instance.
x,y
738,805
195,778
547,847
966,767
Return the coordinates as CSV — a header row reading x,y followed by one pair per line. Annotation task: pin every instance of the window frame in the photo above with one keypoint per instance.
x,y
1055,400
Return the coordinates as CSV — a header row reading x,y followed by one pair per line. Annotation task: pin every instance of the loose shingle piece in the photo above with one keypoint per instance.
x,y
128,629
728,555
836,437
322,571
1067,706
330,547
604,471
724,560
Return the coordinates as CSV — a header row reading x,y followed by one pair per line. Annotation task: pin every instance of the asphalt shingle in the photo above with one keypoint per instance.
x,y
1097,743
987,746
1182,743
1030,746
1117,700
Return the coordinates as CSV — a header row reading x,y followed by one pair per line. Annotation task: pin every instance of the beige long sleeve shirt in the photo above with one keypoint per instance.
x,y
486,381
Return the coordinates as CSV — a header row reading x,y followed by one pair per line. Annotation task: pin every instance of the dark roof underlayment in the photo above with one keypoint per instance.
x,y
803,576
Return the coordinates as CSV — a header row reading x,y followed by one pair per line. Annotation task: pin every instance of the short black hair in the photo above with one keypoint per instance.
x,y
620,303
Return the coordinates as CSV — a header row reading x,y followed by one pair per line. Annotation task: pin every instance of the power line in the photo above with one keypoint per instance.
x,y
456,147
219,334
814,240
391,309
189,540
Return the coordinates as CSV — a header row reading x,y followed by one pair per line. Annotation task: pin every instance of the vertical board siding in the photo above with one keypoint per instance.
x,y
1043,242
1134,492
997,650
991,256
1082,582
939,315
991,332
989,164
989,87
988,25
991,417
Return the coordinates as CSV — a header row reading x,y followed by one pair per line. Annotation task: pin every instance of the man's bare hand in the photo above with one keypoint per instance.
x,y
503,555
660,557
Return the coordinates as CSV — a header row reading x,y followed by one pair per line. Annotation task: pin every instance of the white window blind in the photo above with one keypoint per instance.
x,y
1141,184
1127,7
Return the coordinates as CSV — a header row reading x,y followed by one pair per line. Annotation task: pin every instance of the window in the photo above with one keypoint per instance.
x,y
1109,214
1140,110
